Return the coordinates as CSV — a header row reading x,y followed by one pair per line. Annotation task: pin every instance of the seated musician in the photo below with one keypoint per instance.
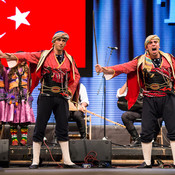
x,y
78,115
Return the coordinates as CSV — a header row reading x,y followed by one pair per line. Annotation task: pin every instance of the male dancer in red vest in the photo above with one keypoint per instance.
x,y
59,77
154,73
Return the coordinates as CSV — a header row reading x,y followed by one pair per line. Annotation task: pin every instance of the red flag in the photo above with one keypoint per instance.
x,y
28,25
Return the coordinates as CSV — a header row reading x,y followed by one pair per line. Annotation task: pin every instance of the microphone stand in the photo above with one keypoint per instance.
x,y
104,94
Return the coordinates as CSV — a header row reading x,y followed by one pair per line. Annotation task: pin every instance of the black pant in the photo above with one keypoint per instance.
x,y
154,108
45,106
129,118
78,116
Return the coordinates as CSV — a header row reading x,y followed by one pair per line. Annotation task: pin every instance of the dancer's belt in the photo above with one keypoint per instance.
x,y
157,86
53,91
157,82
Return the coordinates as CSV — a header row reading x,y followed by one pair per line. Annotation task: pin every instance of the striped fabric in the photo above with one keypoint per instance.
x,y
13,131
24,131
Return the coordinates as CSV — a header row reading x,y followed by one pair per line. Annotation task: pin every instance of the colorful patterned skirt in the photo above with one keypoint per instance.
x,y
2,111
21,113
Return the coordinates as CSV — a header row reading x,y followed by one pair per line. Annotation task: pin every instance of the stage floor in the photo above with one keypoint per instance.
x,y
92,171
124,160
118,166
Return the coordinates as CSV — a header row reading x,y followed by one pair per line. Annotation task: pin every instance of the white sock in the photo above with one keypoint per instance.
x,y
65,151
147,149
172,143
36,152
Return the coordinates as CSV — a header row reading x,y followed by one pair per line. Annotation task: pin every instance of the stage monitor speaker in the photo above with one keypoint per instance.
x,y
4,152
80,149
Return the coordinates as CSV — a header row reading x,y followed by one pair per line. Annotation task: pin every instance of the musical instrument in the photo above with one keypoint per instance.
x,y
105,119
72,107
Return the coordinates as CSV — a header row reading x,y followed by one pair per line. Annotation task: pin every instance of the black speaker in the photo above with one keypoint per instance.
x,y
4,153
82,149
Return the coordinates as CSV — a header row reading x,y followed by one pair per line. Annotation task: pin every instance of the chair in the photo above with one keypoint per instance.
x,y
1,130
74,133
73,129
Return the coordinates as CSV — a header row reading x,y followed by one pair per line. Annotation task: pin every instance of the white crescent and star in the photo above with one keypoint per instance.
x,y
19,18
2,34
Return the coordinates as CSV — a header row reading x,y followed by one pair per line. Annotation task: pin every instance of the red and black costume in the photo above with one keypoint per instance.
x,y
157,82
58,81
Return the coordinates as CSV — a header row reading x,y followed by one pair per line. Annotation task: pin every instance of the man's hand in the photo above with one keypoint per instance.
x,y
8,56
81,108
98,68
107,71
3,55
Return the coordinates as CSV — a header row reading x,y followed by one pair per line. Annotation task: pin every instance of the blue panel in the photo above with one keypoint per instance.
x,y
171,19
122,24
138,24
164,30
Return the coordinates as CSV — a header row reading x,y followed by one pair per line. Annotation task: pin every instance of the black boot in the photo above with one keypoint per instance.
x,y
83,135
172,166
136,141
144,165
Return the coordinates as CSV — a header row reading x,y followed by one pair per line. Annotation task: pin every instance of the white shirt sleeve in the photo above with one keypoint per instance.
x,y
83,94
121,95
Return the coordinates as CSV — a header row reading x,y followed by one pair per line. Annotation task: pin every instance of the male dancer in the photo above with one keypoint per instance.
x,y
59,78
154,73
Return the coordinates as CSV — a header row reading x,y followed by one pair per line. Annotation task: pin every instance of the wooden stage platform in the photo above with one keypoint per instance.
x,y
101,151
118,153
121,160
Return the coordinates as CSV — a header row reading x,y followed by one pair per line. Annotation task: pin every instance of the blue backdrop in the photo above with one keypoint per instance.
x,y
124,24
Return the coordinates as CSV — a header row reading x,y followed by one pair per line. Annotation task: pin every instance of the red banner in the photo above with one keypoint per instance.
x,y
28,25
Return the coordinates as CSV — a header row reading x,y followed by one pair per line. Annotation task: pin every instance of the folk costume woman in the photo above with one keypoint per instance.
x,y
3,94
19,102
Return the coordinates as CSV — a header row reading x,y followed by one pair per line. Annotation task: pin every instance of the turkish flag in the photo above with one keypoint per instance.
x,y
29,25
